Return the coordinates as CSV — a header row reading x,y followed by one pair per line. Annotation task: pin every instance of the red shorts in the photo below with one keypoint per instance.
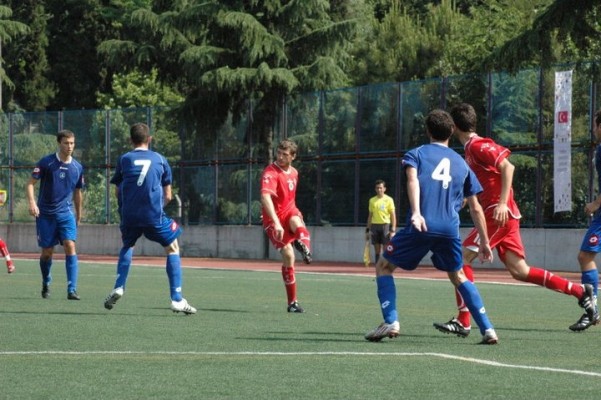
x,y
503,238
289,236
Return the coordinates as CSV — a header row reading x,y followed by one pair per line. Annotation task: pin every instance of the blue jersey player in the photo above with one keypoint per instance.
x,y
591,242
59,196
143,187
438,179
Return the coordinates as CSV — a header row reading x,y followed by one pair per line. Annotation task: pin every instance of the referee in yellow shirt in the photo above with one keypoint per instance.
x,y
381,220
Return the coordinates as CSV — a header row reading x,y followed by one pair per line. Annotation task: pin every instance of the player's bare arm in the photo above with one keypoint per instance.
x,y
29,190
167,194
593,206
477,214
413,191
267,203
501,211
78,203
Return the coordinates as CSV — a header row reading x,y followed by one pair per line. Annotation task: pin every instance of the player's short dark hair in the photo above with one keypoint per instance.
x,y
380,182
464,117
65,133
289,145
139,133
439,124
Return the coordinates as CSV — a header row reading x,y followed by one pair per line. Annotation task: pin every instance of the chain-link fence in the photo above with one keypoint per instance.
x,y
347,139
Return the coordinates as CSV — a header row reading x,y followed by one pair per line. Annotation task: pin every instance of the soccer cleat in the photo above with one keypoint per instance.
x,y
182,306
453,326
587,301
584,323
112,298
45,291
304,250
294,307
490,337
10,267
383,330
73,296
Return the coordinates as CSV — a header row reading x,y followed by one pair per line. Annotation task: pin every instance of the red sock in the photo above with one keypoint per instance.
x,y
464,314
542,277
289,283
303,235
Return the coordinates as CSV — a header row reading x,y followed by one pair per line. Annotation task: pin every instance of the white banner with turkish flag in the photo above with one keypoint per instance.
x,y
562,142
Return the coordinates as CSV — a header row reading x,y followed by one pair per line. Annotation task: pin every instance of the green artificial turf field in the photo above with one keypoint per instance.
x,y
243,344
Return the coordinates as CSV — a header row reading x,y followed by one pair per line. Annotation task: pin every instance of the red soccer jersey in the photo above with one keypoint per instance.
x,y
483,156
281,185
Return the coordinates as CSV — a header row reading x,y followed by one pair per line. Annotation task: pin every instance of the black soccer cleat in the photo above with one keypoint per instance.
x,y
45,291
294,307
73,296
304,250
453,326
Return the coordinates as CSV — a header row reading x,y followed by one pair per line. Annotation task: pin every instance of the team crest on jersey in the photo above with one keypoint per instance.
x,y
593,240
62,175
291,183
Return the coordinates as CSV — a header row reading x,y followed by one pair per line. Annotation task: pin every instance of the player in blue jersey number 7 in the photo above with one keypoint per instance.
x,y
438,179
61,181
143,187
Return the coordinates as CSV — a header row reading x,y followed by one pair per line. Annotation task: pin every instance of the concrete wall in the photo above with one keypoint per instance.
x,y
554,249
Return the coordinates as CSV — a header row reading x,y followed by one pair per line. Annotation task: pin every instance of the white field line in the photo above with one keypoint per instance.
x,y
296,354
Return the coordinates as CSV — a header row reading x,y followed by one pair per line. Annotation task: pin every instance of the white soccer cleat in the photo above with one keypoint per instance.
x,y
383,330
112,298
489,337
182,306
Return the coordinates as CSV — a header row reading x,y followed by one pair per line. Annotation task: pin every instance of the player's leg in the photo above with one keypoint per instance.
x,y
447,256
461,325
590,277
289,279
123,266
67,232
302,237
405,250
10,266
47,239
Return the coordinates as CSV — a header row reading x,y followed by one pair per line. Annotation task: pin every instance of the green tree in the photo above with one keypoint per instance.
x,y
28,62
9,30
222,54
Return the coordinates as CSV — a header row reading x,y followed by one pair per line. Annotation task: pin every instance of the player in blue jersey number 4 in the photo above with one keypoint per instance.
x,y
438,180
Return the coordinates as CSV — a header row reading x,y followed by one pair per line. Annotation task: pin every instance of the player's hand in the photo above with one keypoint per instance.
x,y
500,214
591,208
485,253
419,222
279,231
34,210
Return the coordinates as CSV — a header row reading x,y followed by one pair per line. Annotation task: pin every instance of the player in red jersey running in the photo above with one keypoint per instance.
x,y
490,163
282,221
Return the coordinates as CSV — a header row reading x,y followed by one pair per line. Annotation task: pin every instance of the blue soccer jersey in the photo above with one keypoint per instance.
x,y
444,180
140,176
58,181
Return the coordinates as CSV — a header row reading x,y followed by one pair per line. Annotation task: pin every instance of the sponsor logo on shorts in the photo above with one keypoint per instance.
x,y
593,240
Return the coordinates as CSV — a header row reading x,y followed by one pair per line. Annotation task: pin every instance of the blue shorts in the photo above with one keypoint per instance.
x,y
408,247
164,234
54,230
592,238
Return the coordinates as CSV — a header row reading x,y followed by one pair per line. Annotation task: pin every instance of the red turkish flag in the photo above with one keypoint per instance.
x,y
562,117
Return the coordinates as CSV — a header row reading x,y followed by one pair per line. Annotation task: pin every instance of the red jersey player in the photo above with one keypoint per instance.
x,y
490,163
282,221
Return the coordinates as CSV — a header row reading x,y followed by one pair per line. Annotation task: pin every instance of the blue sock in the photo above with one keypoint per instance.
x,y
72,272
125,256
387,297
474,303
45,268
174,273
591,277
